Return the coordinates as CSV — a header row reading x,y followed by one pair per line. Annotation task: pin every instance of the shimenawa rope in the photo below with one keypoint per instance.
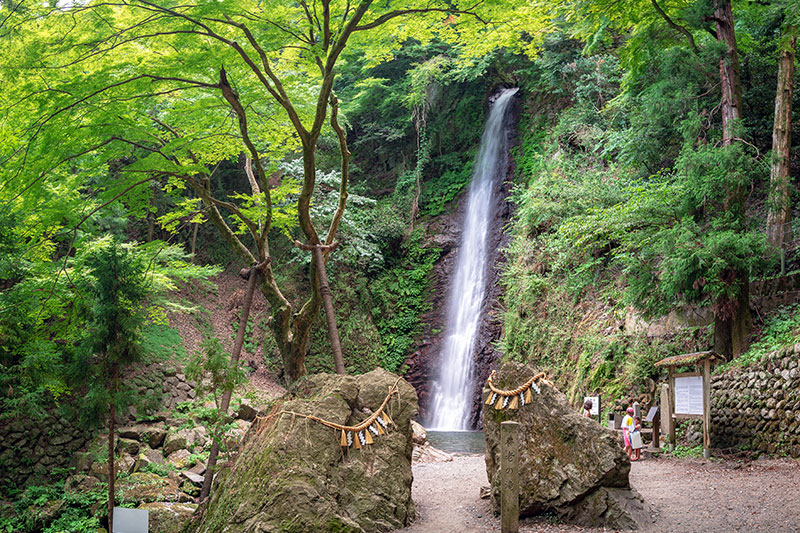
x,y
513,398
377,423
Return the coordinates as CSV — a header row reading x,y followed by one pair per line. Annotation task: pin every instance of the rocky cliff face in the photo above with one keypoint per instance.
x,y
445,233
293,475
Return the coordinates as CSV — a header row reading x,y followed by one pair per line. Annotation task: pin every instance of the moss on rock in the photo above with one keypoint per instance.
x,y
292,475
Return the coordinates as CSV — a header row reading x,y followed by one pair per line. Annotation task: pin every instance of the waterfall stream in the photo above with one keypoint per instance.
x,y
452,391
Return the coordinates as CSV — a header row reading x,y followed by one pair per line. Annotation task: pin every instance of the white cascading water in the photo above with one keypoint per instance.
x,y
452,392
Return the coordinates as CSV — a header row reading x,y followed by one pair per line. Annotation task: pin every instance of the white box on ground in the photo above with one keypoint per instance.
x,y
131,520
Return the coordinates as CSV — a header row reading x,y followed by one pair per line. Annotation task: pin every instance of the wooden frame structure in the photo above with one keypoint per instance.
x,y
702,362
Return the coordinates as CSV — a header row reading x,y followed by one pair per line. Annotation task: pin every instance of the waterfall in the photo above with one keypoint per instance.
x,y
452,392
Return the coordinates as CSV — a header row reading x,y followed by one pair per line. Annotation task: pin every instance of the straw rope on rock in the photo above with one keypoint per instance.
x,y
360,435
291,473
568,465
513,398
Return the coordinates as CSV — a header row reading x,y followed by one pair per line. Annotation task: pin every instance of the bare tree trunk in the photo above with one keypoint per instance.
x,y
730,81
780,212
732,319
252,281
194,240
112,471
732,324
327,303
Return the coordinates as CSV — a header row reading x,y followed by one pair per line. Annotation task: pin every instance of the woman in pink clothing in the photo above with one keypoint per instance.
x,y
628,425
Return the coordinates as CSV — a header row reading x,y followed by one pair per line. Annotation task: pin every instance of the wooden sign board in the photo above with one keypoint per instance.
x,y
651,414
689,395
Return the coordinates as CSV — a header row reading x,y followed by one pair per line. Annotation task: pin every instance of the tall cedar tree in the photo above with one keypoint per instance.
x,y
112,342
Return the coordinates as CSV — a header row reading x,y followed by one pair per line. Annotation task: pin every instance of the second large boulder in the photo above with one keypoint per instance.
x,y
569,464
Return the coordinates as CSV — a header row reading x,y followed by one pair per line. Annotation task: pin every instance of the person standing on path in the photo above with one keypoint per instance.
x,y
628,425
587,409
636,439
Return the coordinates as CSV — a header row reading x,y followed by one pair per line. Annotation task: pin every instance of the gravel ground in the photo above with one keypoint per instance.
x,y
685,496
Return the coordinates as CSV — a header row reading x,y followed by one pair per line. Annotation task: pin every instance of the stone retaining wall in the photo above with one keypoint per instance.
x,y
30,450
758,407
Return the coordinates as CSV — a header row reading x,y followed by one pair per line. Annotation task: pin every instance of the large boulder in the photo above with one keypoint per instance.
x,y
569,464
293,475
167,517
148,487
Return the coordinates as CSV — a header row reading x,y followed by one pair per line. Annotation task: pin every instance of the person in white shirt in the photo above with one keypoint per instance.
x,y
628,425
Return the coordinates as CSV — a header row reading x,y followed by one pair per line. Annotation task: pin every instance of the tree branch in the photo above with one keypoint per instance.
x,y
386,17
206,196
278,92
677,27
233,99
345,153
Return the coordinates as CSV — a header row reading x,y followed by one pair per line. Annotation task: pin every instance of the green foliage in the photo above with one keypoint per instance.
x,y
780,329
439,191
48,509
115,286
161,343
157,469
211,368
671,237
687,452
401,298
50,316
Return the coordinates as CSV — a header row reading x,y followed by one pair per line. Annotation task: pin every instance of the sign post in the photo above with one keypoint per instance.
x,y
509,477
131,520
690,393
654,417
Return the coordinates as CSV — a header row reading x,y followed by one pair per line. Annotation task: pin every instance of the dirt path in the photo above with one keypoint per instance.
x,y
685,496
219,306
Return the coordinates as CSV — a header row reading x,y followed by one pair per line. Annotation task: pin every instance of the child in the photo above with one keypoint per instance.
x,y
587,409
636,439
628,425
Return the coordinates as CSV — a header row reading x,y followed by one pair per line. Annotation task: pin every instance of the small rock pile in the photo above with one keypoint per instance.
x,y
158,468
423,451
31,449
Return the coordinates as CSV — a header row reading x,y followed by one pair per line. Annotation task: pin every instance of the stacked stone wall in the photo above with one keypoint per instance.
x,y
31,449
758,407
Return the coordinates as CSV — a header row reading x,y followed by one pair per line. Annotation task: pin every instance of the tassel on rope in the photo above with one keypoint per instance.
x,y
361,435
513,399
